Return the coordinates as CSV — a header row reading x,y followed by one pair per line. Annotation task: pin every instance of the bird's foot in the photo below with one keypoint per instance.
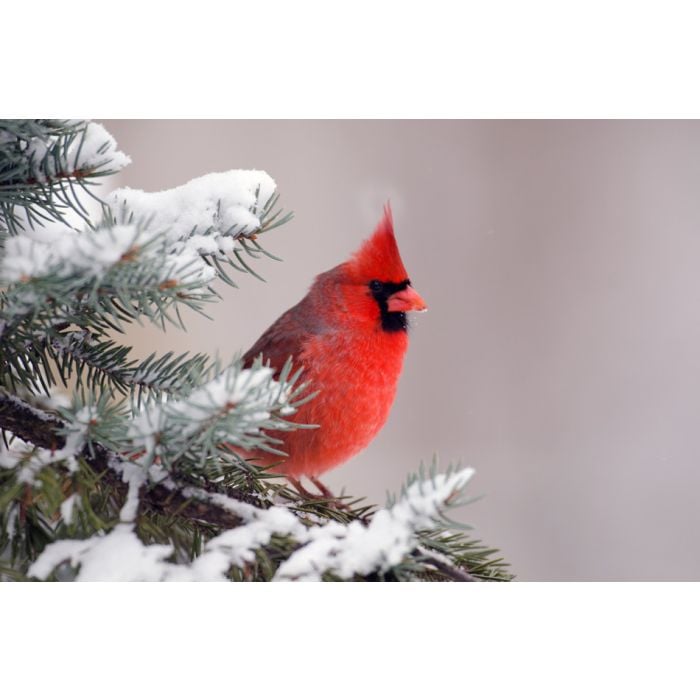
x,y
324,492
300,488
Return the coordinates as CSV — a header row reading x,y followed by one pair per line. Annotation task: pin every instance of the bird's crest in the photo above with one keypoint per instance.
x,y
379,257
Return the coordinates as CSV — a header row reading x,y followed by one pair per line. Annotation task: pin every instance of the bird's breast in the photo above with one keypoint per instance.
x,y
356,377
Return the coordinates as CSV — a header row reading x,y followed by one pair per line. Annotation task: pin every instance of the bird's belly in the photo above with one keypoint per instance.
x,y
354,400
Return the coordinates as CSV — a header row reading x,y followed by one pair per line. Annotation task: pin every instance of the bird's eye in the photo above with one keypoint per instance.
x,y
376,286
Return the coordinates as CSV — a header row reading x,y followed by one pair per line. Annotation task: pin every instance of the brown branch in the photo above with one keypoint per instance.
x,y
43,430
171,502
78,174
30,424
454,572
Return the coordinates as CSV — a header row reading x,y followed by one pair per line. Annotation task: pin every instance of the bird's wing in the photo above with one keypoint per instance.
x,y
284,338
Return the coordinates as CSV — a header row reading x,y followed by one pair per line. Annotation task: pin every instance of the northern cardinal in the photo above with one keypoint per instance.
x,y
349,333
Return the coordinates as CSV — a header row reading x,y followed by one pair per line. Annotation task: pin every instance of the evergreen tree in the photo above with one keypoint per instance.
x,y
137,477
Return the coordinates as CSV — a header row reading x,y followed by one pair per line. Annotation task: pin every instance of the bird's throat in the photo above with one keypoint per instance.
x,y
393,321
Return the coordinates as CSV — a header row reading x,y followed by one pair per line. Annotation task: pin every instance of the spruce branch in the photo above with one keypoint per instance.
x,y
46,431
443,565
126,269
106,277
231,411
47,165
108,367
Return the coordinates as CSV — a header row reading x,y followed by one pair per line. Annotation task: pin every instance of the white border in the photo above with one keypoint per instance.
x,y
571,641
378,58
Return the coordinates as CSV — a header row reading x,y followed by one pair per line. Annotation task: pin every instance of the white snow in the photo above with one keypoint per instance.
x,y
345,550
355,548
12,521
98,146
209,210
67,508
12,455
32,460
117,556
24,258
185,265
135,476
67,252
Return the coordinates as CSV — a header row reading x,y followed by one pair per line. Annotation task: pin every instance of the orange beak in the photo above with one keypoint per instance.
x,y
406,300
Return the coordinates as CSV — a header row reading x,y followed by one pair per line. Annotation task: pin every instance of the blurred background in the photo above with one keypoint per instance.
x,y
560,356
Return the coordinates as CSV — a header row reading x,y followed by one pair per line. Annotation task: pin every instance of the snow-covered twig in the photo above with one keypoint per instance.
x,y
39,430
343,550
346,550
230,410
163,248
208,211
32,458
93,148
340,549
173,228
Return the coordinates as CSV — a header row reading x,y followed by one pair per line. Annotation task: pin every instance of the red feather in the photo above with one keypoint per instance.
x,y
378,257
335,333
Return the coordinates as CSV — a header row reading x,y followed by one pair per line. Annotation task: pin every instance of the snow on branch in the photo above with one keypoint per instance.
x,y
117,556
346,550
112,255
343,550
231,410
65,252
48,165
87,149
154,249
209,212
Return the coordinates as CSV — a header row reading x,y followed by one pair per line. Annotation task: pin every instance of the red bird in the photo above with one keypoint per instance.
x,y
349,333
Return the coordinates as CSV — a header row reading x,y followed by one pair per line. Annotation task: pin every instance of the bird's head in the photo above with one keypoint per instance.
x,y
375,283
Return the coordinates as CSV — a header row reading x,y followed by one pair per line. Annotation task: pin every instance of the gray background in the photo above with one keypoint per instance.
x,y
561,353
